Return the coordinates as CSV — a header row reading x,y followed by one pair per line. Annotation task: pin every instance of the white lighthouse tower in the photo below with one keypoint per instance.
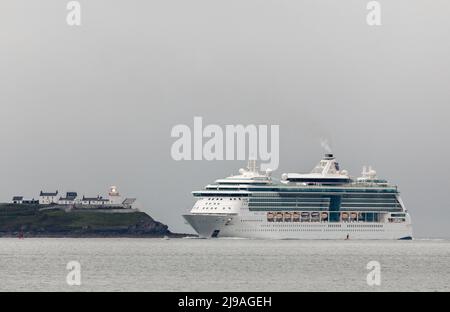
x,y
114,196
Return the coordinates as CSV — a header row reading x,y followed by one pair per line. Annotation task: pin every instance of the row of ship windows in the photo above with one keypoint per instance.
x,y
251,220
323,197
364,225
349,223
212,204
325,200
211,208
300,204
300,199
319,193
221,198
322,225
312,230
321,221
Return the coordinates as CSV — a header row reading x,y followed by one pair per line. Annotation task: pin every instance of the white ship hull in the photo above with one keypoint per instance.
x,y
220,225
326,204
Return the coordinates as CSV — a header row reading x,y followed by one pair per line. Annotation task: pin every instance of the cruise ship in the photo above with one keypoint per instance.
x,y
324,204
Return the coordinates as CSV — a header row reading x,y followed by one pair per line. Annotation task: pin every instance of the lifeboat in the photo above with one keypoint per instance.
x,y
279,217
270,217
353,216
315,216
287,217
296,216
324,216
344,216
305,216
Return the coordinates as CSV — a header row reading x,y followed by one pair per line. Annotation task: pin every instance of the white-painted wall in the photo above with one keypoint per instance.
x,y
47,200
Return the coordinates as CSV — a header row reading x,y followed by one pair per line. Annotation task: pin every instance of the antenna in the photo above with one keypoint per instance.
x,y
252,165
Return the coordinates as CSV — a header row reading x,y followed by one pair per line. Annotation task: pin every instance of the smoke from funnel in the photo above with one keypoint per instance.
x,y
325,145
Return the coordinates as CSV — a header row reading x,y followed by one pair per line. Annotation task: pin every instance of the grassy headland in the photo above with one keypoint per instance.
x,y
33,221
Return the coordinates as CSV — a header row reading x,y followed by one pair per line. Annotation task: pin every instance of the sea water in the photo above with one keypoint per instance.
x,y
142,264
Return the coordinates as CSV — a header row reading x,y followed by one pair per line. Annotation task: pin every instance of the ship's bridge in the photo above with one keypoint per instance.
x,y
327,171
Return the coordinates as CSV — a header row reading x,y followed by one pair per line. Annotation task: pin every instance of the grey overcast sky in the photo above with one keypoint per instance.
x,y
83,108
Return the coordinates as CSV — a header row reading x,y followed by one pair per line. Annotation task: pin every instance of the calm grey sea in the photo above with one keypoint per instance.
x,y
39,264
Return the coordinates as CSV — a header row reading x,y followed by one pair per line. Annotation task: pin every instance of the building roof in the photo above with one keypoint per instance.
x,y
67,198
48,193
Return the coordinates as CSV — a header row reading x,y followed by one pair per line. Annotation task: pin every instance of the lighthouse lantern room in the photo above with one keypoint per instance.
x,y
114,196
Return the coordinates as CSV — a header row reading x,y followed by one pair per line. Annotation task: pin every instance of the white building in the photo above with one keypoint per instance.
x,y
46,198
17,200
69,199
96,201
22,200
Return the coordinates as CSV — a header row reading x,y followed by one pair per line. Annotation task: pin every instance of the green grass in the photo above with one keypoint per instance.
x,y
28,218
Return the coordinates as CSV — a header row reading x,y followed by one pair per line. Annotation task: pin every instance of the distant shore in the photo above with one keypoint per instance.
x,y
52,221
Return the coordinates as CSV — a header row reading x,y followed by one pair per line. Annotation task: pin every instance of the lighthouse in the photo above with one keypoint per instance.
x,y
114,196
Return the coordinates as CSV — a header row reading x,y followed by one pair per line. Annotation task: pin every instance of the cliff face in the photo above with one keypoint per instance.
x,y
32,220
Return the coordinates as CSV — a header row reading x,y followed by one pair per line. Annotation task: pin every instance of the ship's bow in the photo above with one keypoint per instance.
x,y
208,225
